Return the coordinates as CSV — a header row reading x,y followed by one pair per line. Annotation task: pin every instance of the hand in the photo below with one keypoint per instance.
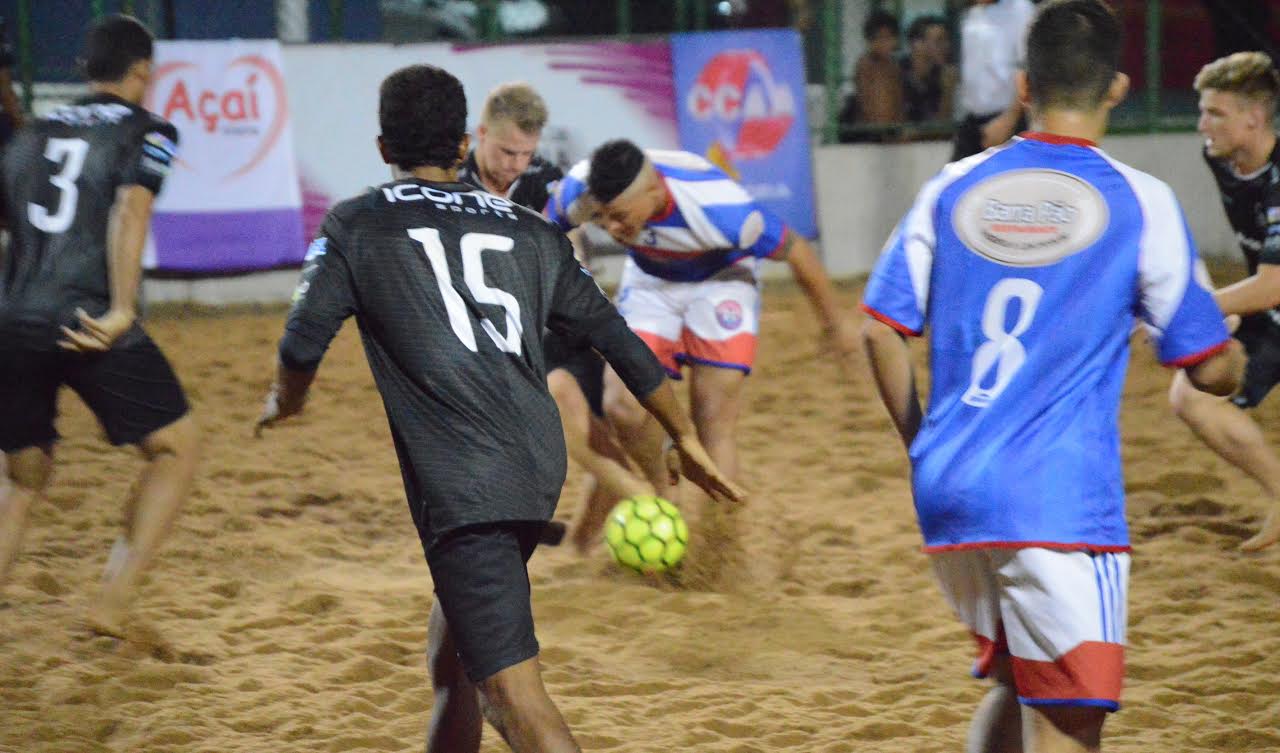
x,y
96,335
695,465
845,345
274,411
1269,534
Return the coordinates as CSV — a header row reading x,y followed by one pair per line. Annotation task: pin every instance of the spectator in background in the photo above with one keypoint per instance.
x,y
877,79
993,43
928,76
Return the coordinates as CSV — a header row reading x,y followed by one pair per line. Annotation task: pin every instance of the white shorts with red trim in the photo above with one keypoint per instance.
x,y
1059,615
714,322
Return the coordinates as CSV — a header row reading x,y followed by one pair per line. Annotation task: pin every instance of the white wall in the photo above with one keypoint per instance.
x,y
864,189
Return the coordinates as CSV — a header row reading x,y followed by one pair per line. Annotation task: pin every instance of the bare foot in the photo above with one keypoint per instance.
x,y
106,619
136,635
1269,534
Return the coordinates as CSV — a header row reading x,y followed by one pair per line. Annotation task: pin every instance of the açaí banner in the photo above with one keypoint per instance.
x,y
231,202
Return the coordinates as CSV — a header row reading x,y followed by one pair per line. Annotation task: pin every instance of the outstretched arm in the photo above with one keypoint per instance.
x,y
812,278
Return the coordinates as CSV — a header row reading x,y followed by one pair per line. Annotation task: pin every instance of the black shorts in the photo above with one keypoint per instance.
x,y
577,358
482,583
130,388
1261,339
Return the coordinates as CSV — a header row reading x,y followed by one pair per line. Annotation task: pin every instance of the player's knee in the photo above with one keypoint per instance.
x,y
180,439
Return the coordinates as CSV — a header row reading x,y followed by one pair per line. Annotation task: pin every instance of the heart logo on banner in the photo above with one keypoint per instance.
x,y
231,106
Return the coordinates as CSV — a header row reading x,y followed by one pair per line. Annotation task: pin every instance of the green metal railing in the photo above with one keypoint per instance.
x,y
832,69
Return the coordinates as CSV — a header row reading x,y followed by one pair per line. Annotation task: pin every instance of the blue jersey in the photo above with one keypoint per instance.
x,y
710,222
1029,264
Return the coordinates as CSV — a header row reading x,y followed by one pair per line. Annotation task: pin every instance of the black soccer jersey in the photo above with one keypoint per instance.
x,y
451,288
1253,208
531,189
60,179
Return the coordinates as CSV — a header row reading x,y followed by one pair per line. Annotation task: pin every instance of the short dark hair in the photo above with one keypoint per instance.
x,y
1073,53
877,20
614,166
114,43
422,111
922,23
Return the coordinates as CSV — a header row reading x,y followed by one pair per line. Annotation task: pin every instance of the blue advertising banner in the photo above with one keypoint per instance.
x,y
740,102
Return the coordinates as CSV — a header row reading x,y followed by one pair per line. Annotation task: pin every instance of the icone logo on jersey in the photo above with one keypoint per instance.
x,y
737,93
1027,218
243,105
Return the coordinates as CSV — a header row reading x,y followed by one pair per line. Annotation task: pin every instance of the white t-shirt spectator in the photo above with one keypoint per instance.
x,y
993,42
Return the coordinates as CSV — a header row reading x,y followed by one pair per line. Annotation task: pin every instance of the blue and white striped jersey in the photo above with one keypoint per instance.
x,y
710,222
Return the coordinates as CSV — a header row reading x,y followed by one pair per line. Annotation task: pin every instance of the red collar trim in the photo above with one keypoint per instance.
x,y
670,207
1053,138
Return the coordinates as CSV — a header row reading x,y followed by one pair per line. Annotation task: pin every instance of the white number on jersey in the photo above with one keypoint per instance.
x,y
70,153
472,246
1002,352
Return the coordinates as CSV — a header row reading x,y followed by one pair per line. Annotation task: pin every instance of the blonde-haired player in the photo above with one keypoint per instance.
x,y
1238,96
505,162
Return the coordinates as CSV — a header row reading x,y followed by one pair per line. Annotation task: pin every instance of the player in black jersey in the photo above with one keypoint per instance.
x,y
1238,96
78,189
505,162
451,288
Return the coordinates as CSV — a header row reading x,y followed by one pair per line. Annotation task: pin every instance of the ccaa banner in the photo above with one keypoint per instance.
x,y
232,202
740,102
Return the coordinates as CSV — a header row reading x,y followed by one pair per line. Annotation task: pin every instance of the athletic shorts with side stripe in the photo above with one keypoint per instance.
x,y
1059,615
714,322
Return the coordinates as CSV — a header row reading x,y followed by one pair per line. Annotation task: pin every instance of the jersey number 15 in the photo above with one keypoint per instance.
x,y
472,246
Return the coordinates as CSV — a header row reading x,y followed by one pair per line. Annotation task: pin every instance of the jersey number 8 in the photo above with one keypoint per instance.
x,y
1003,352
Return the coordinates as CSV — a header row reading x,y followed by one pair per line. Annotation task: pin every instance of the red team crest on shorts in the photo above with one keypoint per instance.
x,y
729,314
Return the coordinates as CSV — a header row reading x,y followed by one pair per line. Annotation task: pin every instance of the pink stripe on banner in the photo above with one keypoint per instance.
x,y
227,242
642,71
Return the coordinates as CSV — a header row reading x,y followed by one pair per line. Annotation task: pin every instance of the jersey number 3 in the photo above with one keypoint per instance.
x,y
69,153
472,247
1002,353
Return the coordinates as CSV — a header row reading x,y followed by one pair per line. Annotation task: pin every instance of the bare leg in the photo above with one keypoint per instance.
x,y
997,724
1236,438
717,401
28,472
716,398
516,703
640,433
456,723
149,513
1062,729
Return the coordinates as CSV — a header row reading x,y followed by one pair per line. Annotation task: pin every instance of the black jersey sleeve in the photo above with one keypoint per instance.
x,y
1270,210
323,300
580,309
148,162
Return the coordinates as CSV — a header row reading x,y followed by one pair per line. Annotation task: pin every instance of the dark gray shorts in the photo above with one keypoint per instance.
x,y
482,583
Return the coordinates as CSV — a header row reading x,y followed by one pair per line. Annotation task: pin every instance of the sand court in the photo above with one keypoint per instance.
x,y
293,597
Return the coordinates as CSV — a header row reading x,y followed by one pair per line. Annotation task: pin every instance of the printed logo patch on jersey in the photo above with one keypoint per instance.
x,y
729,314
317,249
1273,215
1030,218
